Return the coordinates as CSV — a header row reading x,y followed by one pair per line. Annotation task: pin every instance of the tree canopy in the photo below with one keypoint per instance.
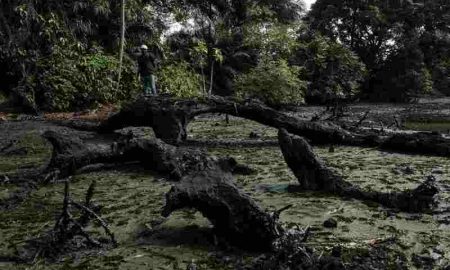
x,y
62,55
380,33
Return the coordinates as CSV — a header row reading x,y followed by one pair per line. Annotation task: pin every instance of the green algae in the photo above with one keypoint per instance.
x,y
237,128
132,201
429,125
359,222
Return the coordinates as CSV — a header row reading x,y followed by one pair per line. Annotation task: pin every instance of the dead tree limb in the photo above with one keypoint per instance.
x,y
100,220
204,183
170,117
235,216
313,174
363,118
68,232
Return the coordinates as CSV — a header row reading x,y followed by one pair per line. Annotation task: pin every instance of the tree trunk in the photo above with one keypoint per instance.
x,y
203,81
234,214
122,42
204,182
314,175
170,118
211,80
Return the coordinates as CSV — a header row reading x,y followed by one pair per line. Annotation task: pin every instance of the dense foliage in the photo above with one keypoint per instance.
x,y
272,81
61,54
179,80
382,33
333,70
71,80
46,44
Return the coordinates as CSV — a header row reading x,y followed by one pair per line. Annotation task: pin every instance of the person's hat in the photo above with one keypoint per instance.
x,y
144,47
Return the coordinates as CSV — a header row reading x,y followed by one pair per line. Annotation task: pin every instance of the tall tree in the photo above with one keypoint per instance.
x,y
122,41
382,32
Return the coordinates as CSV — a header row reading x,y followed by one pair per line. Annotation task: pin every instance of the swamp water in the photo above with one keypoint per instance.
x,y
132,199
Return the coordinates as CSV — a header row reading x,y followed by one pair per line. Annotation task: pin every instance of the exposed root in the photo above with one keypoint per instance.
x,y
314,175
69,233
235,216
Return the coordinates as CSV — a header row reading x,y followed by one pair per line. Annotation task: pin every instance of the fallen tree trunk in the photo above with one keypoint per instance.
x,y
71,154
170,118
314,175
204,182
420,143
233,213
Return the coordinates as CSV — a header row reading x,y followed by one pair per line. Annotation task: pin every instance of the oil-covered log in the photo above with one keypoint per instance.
x,y
170,117
313,174
71,154
420,143
204,182
235,216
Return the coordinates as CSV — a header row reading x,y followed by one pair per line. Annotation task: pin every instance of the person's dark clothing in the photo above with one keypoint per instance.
x,y
147,64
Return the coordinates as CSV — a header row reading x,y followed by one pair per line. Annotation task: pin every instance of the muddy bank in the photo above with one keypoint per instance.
x,y
133,198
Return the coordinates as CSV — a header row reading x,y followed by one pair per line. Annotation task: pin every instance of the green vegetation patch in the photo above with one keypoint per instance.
x,y
359,223
438,125
132,201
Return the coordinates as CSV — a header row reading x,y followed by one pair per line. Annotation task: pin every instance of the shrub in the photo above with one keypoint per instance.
x,y
179,80
333,70
71,79
403,78
272,81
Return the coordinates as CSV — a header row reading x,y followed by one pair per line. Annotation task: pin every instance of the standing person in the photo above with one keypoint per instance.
x,y
147,68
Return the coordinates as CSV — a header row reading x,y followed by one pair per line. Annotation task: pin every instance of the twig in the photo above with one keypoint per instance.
x,y
98,218
84,219
90,193
278,212
65,214
306,234
397,123
362,120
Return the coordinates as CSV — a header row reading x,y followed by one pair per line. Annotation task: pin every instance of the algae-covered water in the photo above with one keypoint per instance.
x,y
429,125
132,199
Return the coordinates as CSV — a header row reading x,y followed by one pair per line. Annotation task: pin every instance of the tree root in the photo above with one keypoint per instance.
x,y
235,216
68,232
204,183
314,175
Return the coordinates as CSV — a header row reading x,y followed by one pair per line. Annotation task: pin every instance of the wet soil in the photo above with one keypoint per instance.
x,y
132,199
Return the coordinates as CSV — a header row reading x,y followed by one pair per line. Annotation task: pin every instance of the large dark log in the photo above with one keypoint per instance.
x,y
233,213
204,182
70,154
313,174
420,143
170,117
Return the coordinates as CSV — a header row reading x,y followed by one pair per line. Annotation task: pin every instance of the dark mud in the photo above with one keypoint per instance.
x,y
132,198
